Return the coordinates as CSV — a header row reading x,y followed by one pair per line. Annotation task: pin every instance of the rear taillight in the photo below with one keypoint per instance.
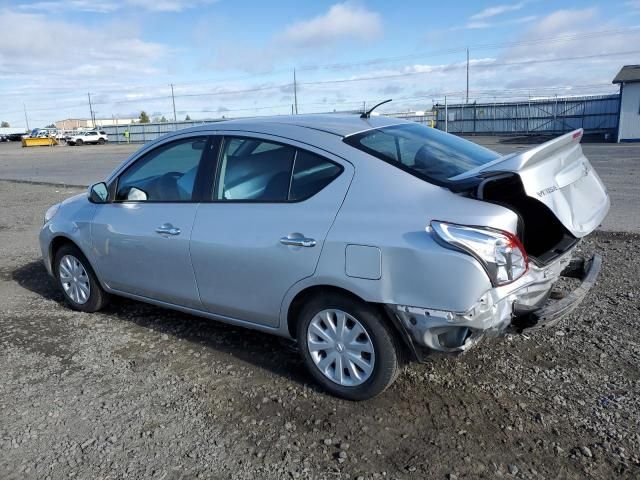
x,y
500,253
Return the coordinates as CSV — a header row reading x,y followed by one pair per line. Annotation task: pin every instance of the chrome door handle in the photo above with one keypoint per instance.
x,y
298,241
168,229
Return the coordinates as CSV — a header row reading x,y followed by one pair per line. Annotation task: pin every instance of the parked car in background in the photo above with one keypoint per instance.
x,y
368,240
47,132
15,137
98,137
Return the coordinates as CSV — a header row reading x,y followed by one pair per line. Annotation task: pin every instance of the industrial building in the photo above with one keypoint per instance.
x,y
629,122
82,123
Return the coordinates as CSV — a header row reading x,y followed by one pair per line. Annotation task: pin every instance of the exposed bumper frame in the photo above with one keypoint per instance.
x,y
544,314
552,311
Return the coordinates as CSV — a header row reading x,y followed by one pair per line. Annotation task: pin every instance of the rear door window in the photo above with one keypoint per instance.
x,y
311,174
255,170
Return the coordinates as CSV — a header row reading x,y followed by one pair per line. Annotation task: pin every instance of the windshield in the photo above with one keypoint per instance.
x,y
422,151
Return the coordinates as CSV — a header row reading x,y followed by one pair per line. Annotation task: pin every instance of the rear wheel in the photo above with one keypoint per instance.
x,y
101,141
347,346
77,280
79,142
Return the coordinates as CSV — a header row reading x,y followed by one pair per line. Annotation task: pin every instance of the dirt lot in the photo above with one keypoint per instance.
x,y
141,392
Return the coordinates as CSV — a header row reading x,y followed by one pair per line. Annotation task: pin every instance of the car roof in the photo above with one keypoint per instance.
x,y
336,124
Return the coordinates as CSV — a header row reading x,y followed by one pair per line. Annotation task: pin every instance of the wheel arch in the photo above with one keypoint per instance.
x,y
298,301
59,241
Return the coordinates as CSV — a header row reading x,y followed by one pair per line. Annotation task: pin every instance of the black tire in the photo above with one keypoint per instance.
x,y
97,299
79,142
101,141
387,364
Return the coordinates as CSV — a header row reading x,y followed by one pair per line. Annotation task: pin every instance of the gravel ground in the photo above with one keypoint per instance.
x,y
141,392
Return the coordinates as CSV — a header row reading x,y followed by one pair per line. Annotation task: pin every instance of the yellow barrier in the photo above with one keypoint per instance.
x,y
39,142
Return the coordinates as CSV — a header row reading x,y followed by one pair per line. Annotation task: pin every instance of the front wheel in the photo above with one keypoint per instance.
x,y
79,143
77,280
347,346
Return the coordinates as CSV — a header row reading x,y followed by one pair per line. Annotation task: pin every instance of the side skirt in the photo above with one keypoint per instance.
x,y
200,313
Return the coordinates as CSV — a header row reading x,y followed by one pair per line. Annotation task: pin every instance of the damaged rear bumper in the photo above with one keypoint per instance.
x,y
552,312
523,305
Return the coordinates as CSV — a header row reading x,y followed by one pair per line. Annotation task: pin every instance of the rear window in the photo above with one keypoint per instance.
x,y
425,152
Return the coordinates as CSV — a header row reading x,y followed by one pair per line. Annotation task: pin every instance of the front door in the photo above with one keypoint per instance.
x,y
141,239
263,230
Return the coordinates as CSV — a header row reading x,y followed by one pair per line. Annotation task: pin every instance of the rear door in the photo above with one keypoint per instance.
x,y
91,137
559,175
270,209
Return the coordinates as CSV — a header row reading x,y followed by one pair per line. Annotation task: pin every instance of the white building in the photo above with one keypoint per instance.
x,y
629,120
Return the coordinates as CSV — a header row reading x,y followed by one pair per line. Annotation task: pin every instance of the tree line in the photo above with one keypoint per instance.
x,y
144,118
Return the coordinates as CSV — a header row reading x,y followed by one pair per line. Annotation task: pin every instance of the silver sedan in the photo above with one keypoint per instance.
x,y
369,240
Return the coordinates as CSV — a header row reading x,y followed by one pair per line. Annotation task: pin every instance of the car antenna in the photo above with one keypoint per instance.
x,y
367,114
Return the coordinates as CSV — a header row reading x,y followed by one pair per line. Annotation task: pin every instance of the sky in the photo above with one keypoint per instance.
x,y
237,58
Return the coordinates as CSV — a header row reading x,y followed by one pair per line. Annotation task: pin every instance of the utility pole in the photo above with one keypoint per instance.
x,y
295,91
93,119
467,76
446,115
26,119
173,99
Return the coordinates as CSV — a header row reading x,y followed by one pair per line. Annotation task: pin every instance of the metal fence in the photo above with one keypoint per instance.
x,y
595,114
145,132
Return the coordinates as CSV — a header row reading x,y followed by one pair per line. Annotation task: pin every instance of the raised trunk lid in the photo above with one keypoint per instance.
x,y
558,174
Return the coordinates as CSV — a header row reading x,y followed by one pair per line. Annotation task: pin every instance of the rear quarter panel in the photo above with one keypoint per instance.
x,y
390,209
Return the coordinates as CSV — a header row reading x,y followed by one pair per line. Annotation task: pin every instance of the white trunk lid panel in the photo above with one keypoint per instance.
x,y
559,175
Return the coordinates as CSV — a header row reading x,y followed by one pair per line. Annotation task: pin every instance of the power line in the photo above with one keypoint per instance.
x,y
374,61
485,46
478,65
374,77
329,82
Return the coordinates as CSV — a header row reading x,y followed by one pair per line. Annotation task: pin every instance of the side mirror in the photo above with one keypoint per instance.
x,y
98,193
137,195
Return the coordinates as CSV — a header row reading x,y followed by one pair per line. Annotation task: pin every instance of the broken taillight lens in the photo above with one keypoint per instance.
x,y
500,253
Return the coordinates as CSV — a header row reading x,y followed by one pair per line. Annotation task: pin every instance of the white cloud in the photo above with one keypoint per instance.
x,y
480,24
167,5
110,6
496,10
573,31
71,6
342,21
39,50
